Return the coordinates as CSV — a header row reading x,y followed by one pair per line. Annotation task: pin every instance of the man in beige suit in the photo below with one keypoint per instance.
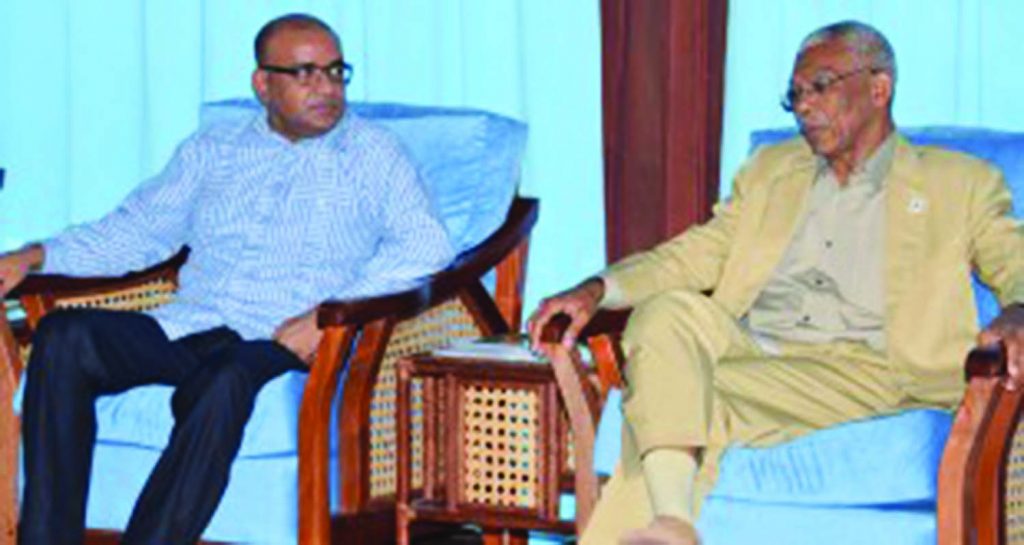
x,y
839,280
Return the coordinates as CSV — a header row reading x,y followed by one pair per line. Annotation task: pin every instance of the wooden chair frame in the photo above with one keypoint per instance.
x,y
356,333
973,479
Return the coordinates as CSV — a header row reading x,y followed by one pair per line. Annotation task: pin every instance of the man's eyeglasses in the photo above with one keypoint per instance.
x,y
818,86
336,72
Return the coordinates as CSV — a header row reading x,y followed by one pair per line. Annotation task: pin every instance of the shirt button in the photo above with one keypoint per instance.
x,y
806,319
819,282
828,243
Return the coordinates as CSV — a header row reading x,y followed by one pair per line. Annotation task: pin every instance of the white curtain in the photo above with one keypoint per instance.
x,y
94,95
959,62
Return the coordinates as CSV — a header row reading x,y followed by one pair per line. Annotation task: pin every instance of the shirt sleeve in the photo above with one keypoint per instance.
x,y
414,243
146,228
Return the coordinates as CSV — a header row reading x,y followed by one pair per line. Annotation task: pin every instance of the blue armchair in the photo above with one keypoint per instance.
x,y
872,481
318,451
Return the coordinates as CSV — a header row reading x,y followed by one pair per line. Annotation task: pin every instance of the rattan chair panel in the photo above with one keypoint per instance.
x,y
435,328
1014,499
500,433
145,296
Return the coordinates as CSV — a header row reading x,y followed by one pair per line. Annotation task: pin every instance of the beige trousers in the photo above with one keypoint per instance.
x,y
696,378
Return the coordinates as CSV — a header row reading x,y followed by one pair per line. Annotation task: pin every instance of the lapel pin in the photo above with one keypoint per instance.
x,y
916,205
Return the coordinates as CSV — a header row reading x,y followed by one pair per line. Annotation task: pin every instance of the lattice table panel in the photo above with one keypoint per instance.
x,y
435,328
494,442
500,434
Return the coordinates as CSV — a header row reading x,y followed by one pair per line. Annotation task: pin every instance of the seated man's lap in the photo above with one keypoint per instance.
x,y
763,400
119,350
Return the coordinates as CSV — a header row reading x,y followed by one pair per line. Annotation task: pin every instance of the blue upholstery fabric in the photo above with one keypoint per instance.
x,y
260,505
745,523
142,417
469,159
885,460
888,460
470,162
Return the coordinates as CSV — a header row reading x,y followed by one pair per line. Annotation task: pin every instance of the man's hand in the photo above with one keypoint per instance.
x,y
300,335
1008,327
15,266
579,303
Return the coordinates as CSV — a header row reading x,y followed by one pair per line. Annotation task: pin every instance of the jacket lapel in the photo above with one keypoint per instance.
x,y
907,209
783,208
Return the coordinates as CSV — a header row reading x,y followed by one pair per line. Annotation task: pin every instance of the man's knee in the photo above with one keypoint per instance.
x,y
672,313
62,326
62,331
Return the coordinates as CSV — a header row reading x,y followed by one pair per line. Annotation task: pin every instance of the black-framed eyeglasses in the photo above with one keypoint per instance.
x,y
336,72
818,86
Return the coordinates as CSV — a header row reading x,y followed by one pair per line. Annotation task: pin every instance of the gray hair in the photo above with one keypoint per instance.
x,y
862,38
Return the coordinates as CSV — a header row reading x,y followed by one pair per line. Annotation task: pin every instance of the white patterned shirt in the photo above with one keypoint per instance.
x,y
275,227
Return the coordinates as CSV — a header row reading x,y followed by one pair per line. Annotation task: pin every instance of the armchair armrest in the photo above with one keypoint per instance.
x,y
53,284
602,335
605,322
464,273
986,362
975,476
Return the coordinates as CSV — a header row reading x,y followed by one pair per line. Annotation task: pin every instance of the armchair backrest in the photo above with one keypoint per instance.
x,y
1003,149
469,159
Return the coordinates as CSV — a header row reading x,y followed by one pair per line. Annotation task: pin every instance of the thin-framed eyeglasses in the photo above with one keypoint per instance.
x,y
336,72
818,86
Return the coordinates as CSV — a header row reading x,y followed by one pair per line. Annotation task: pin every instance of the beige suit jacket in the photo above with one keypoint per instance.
x,y
946,214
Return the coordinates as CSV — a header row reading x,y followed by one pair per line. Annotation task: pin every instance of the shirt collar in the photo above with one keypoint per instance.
x,y
335,137
872,170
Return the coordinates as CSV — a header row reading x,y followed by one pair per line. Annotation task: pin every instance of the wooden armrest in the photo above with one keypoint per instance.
x,y
979,452
605,322
38,284
466,271
986,362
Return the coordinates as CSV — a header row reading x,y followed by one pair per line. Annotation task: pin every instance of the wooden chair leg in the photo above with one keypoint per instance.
x,y
10,432
493,536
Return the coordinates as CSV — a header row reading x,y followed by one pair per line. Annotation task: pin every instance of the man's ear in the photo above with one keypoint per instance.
x,y
881,89
260,85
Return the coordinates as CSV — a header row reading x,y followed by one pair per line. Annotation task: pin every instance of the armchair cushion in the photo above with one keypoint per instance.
x,y
742,523
888,460
878,461
142,417
469,159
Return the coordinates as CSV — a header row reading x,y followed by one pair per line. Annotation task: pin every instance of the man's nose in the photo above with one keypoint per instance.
x,y
802,104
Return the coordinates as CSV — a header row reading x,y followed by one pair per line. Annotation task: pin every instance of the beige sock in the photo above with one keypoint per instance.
x,y
669,475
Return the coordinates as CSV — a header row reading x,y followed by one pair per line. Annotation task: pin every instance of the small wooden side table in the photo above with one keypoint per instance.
x,y
495,446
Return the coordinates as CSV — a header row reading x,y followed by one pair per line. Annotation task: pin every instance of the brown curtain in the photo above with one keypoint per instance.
x,y
663,64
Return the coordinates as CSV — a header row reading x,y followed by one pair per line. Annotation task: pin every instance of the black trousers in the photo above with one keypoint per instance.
x,y
79,355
